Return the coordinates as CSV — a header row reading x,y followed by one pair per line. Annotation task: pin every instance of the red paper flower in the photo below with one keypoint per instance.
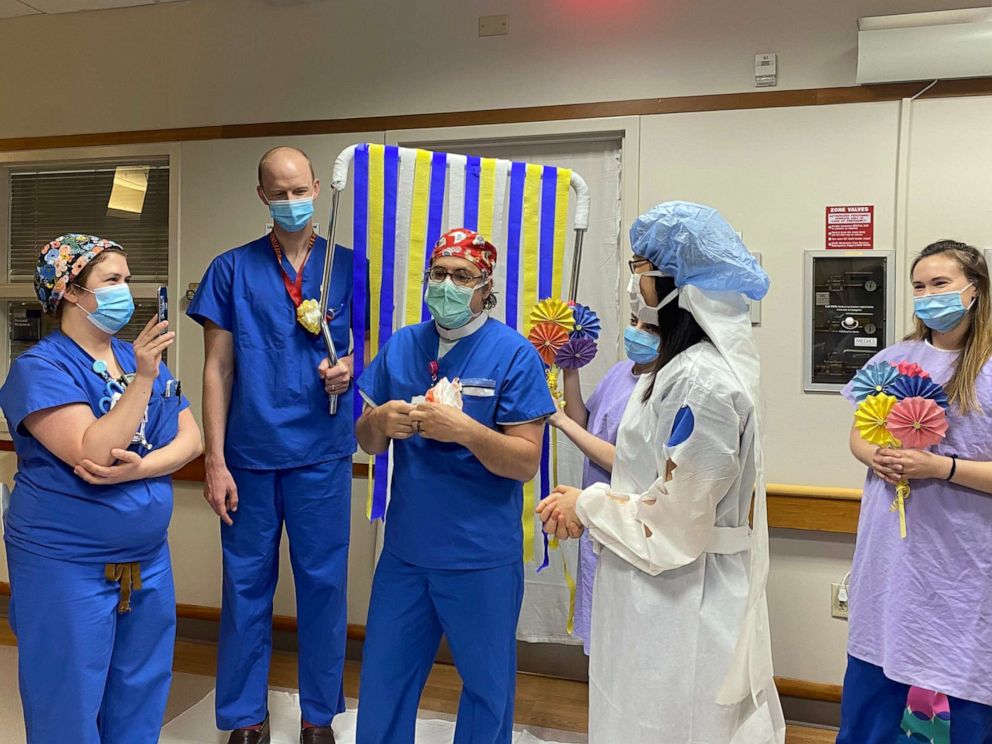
x,y
911,369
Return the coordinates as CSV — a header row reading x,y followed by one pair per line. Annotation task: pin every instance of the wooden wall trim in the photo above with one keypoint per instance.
x,y
524,114
806,690
788,687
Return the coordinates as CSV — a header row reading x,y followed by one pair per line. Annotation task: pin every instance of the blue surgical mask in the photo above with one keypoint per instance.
x,y
941,312
641,347
292,215
450,305
114,307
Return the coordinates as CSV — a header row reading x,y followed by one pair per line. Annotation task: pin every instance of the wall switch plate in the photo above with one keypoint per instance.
x,y
494,25
838,606
765,70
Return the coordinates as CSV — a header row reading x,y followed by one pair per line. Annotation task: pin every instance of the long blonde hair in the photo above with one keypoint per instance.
x,y
978,341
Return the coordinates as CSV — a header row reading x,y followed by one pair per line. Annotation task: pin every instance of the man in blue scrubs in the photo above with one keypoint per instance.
x,y
274,456
452,561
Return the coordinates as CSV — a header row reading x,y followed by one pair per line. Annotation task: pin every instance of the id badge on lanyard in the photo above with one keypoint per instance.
x,y
112,393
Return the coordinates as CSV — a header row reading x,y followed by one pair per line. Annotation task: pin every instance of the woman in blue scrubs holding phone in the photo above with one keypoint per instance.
x,y
99,426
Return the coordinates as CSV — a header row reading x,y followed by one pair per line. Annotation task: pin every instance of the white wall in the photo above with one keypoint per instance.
x,y
209,62
772,172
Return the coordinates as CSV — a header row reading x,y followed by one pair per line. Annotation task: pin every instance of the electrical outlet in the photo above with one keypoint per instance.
x,y
494,25
838,606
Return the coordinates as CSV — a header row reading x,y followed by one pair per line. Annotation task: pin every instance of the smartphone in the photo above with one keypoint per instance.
x,y
163,304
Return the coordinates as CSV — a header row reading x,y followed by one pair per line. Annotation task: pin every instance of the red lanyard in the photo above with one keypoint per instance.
x,y
295,289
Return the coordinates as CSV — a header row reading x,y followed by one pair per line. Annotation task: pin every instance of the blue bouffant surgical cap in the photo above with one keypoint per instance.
x,y
694,244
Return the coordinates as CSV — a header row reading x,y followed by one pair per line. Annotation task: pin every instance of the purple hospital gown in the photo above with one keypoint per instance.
x,y
606,406
921,608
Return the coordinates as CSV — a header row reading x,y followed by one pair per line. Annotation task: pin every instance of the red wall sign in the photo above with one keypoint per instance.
x,y
851,228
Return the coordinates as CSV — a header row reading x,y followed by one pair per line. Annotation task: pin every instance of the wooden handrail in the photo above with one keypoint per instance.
x,y
788,687
791,507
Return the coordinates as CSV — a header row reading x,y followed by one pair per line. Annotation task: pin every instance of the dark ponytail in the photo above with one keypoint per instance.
x,y
676,327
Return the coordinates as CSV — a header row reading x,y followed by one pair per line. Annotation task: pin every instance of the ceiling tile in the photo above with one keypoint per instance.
x,y
13,8
71,6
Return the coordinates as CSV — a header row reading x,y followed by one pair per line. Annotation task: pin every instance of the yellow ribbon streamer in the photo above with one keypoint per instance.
x,y
530,263
418,236
377,200
487,198
531,242
561,222
527,519
570,623
368,496
899,505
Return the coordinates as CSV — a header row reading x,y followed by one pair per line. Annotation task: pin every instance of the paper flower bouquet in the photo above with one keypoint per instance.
x,y
899,406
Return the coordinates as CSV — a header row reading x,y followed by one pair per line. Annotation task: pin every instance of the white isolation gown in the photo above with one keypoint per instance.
x,y
672,591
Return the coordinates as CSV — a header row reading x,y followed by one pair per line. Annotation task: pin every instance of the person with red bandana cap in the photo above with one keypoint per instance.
x,y
452,562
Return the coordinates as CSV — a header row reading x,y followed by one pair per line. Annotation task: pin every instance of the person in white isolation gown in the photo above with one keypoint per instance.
x,y
680,650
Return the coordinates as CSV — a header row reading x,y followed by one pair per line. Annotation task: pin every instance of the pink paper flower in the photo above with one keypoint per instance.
x,y
917,423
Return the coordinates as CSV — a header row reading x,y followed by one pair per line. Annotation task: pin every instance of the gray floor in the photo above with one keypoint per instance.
x,y
187,690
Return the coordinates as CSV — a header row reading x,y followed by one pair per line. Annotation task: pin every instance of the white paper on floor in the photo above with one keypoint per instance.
x,y
196,725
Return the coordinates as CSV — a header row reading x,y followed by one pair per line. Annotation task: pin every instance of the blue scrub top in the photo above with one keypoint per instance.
x,y
446,510
278,416
53,512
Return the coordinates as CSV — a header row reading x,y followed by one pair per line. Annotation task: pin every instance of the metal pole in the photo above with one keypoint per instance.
x,y
573,286
325,293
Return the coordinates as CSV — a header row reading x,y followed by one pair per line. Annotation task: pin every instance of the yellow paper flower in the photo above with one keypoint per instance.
x,y
553,311
308,315
871,420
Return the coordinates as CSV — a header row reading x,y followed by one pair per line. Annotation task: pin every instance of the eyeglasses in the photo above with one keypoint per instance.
x,y
636,263
459,277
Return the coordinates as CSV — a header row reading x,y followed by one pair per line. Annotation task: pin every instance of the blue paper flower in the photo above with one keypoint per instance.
x,y
873,379
586,323
918,387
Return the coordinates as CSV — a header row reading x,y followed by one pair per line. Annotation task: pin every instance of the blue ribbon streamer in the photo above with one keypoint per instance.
x,y
439,165
360,276
549,191
473,171
545,486
518,174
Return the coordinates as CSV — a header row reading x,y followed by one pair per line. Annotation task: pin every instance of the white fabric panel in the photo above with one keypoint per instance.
x,y
456,193
498,237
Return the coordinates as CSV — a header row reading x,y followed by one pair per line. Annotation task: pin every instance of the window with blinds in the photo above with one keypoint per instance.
x,y
125,202
47,203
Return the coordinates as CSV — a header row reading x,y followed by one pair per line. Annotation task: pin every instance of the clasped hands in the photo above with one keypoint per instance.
x,y
398,419
558,513
895,465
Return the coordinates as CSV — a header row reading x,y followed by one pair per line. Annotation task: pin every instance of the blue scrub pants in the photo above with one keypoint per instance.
x,y
314,502
88,674
477,611
872,708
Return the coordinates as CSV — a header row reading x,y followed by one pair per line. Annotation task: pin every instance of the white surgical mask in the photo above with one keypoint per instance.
x,y
643,312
